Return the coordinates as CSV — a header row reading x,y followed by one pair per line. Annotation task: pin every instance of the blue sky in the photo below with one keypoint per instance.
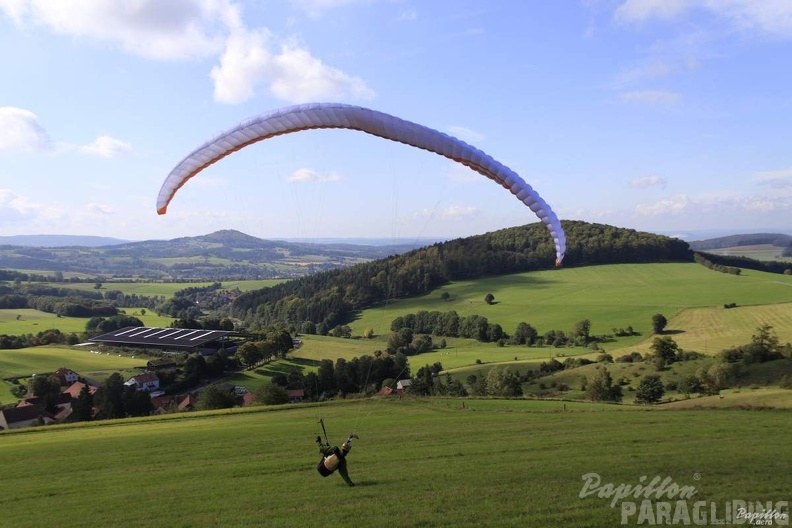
x,y
667,116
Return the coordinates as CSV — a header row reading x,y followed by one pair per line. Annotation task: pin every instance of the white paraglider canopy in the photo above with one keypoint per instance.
x,y
336,115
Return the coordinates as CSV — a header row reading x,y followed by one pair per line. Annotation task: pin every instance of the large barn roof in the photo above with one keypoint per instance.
x,y
161,337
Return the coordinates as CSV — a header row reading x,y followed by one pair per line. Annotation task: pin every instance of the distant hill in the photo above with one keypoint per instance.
x,y
222,255
773,239
59,240
332,297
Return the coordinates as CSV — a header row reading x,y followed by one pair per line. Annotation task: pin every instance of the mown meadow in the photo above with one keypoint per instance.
x,y
418,463
610,296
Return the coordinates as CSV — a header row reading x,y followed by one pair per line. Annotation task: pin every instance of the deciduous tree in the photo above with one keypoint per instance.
x,y
650,390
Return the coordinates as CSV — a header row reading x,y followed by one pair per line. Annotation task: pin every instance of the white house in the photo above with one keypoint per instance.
x,y
144,382
66,376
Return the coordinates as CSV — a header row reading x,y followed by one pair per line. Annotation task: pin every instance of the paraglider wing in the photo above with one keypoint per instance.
x,y
336,115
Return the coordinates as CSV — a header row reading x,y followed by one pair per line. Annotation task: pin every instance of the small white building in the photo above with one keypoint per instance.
x,y
67,376
144,382
403,384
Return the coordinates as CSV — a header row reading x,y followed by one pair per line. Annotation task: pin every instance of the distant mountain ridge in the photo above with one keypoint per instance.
x,y
222,255
59,240
754,239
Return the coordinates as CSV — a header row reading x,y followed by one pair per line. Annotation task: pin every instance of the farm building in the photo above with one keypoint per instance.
x,y
186,340
24,416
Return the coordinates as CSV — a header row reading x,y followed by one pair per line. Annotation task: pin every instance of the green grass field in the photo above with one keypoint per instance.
x,y
24,362
757,252
152,289
417,464
691,296
610,296
34,321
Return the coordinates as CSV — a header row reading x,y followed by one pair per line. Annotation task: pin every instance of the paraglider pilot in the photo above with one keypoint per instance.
x,y
334,458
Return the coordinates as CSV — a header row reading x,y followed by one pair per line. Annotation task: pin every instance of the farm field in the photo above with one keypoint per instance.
x,y
44,359
152,289
758,252
712,329
34,321
610,296
417,463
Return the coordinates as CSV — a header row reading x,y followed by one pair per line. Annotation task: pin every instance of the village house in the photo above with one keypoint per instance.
x,y
67,376
76,388
296,395
188,403
147,381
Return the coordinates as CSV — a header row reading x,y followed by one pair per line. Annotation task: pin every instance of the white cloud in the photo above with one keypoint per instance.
x,y
100,209
466,134
317,7
777,179
20,131
723,205
644,182
294,75
192,29
452,212
767,16
639,10
461,174
408,14
21,214
107,147
651,97
175,29
243,65
459,211
298,77
10,201
310,176
667,206
655,69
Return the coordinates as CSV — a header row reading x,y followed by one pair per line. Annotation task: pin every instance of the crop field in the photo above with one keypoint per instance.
x,y
417,463
710,330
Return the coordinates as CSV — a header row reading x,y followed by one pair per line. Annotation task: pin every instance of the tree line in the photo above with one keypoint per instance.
x,y
770,266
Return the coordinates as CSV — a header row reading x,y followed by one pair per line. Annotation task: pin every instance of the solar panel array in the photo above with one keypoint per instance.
x,y
161,337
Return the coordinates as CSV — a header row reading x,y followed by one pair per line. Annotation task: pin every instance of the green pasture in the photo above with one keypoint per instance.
x,y
758,375
167,289
24,362
691,297
748,397
458,352
610,296
757,252
418,463
33,321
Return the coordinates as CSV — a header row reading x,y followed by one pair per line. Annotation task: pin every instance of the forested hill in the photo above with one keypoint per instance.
x,y
330,298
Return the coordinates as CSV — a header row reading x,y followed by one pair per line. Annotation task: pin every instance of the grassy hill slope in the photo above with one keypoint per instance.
x,y
418,463
609,296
